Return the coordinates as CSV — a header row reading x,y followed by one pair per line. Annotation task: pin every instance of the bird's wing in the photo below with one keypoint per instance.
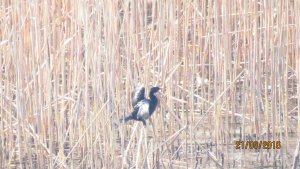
x,y
138,96
143,109
141,103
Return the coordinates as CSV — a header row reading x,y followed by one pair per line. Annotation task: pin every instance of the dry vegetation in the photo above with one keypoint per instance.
x,y
228,69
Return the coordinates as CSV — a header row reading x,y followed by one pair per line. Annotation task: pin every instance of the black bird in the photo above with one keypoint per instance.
x,y
143,108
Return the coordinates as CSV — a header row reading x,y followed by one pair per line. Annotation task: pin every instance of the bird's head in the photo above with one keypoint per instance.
x,y
154,90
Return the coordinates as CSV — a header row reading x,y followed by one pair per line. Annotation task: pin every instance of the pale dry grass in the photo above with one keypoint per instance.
x,y
229,71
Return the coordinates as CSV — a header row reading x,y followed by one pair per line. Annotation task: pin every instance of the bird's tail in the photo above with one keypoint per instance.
x,y
126,119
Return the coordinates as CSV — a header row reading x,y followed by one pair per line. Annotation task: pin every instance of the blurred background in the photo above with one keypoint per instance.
x,y
229,71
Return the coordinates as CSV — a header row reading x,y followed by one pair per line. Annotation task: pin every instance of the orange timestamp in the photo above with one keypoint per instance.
x,y
257,144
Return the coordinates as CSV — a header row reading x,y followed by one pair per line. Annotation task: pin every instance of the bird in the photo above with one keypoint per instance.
x,y
142,108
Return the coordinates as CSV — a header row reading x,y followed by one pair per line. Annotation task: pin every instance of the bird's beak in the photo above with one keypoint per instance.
x,y
159,93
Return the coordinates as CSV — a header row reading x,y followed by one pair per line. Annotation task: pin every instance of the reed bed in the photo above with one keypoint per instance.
x,y
229,71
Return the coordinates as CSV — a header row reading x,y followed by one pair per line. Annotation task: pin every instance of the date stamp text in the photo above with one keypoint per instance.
x,y
257,144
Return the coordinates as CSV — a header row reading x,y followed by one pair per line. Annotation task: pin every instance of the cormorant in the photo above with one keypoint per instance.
x,y
143,108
